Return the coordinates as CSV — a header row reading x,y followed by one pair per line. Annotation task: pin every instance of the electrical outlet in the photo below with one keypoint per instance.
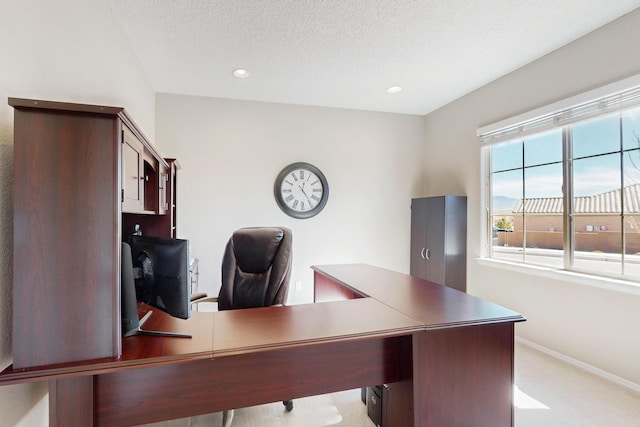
x,y
298,286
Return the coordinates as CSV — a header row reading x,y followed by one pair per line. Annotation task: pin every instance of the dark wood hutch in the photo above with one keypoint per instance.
x,y
84,175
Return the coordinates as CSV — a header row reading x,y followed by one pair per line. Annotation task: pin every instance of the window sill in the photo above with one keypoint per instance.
x,y
612,284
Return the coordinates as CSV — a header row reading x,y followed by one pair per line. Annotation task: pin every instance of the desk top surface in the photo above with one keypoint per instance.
x,y
434,305
217,334
397,304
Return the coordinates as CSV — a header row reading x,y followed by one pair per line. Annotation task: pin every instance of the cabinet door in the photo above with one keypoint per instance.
x,y
427,239
397,404
418,267
132,172
434,239
163,189
172,194
150,183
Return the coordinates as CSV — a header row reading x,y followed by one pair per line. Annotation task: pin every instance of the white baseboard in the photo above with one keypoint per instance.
x,y
585,366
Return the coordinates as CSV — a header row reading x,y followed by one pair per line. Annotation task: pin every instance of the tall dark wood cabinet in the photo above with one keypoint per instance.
x,y
439,240
73,186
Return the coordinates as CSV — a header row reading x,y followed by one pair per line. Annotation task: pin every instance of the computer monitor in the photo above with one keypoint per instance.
x,y
131,324
164,279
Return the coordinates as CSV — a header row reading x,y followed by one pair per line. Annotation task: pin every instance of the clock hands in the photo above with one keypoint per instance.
x,y
305,194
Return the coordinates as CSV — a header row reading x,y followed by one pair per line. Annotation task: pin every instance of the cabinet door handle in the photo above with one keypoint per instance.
x,y
426,254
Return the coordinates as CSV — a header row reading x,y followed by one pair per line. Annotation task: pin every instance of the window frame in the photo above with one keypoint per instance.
x,y
568,252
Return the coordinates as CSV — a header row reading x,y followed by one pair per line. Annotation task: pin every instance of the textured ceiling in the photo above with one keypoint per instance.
x,y
346,53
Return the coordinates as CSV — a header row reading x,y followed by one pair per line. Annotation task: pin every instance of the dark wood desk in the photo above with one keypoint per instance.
x,y
449,354
462,360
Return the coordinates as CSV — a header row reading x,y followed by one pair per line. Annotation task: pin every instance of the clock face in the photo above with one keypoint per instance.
x,y
301,190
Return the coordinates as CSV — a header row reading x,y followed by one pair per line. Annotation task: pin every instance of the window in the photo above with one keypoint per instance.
x,y
527,206
568,195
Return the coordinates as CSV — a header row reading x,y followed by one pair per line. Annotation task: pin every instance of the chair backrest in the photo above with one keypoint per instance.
x,y
255,268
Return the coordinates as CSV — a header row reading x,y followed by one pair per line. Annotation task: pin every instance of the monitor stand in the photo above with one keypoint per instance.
x,y
140,331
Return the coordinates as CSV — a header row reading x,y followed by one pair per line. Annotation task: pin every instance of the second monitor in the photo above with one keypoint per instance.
x,y
162,281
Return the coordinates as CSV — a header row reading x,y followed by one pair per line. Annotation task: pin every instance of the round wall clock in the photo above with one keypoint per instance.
x,y
301,190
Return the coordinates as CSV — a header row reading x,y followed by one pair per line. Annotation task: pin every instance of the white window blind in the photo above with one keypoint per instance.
x,y
608,99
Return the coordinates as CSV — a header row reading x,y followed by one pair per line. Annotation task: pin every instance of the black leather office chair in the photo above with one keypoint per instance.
x,y
255,273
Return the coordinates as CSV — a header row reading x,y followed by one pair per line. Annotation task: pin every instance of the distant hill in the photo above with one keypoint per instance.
x,y
502,203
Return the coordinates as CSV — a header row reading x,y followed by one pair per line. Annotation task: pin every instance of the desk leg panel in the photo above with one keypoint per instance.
x,y
325,290
464,376
140,396
71,402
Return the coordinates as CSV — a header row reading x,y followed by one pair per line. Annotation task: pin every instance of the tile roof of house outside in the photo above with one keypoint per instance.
x,y
602,203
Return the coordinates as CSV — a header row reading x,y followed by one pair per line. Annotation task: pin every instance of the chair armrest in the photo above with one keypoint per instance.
x,y
202,297
197,295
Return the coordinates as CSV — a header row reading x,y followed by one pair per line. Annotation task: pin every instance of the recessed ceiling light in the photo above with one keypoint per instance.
x,y
241,73
394,89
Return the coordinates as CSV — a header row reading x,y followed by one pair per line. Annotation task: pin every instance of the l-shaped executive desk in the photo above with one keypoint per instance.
x,y
446,356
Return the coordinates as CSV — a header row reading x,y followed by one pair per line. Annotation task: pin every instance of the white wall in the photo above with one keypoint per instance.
x,y
67,50
232,151
598,327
